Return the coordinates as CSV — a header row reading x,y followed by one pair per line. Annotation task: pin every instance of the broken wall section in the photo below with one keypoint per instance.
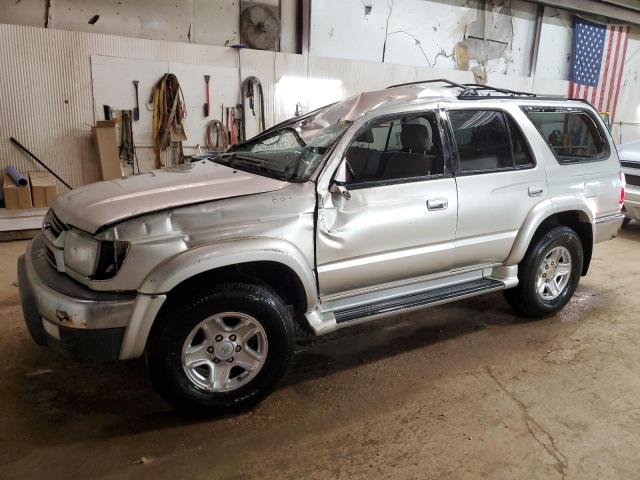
x,y
497,36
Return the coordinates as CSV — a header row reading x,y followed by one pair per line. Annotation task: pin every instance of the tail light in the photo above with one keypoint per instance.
x,y
622,185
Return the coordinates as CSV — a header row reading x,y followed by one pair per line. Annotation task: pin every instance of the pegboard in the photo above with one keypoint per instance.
x,y
112,79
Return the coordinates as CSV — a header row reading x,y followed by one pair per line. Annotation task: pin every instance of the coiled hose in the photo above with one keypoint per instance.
x,y
221,136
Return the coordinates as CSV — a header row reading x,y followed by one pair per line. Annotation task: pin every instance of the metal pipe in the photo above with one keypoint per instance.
x,y
25,150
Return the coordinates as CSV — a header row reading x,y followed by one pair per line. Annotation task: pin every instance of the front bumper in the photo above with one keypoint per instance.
x,y
66,316
632,202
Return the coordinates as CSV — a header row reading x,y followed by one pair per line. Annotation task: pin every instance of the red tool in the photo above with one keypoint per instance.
x,y
206,105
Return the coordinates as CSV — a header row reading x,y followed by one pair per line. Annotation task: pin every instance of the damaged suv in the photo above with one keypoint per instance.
x,y
389,201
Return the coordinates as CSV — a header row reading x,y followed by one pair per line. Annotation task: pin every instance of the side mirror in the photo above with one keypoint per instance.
x,y
339,187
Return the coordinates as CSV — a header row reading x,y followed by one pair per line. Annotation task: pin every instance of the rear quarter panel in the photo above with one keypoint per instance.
x,y
597,182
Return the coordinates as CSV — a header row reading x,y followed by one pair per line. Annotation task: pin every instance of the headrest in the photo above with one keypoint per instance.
x,y
414,137
365,137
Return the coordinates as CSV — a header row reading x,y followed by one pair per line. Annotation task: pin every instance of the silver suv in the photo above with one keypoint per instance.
x,y
389,201
630,160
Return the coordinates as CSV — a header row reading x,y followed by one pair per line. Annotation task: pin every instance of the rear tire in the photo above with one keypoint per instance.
x,y
211,332
544,288
626,221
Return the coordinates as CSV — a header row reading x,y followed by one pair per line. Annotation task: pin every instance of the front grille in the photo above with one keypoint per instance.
x,y
626,164
51,258
632,180
53,228
55,225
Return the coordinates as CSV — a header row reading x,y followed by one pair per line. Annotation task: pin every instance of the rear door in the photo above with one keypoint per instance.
x,y
396,218
499,182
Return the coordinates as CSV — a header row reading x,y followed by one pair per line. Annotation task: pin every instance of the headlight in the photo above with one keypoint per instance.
x,y
81,253
97,259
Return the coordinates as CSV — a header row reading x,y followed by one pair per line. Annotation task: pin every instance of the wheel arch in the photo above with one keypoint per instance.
x,y
573,213
269,261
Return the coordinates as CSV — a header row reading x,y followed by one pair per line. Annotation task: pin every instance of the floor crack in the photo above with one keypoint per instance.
x,y
537,432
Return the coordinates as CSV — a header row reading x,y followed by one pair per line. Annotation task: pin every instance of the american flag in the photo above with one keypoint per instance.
x,y
597,62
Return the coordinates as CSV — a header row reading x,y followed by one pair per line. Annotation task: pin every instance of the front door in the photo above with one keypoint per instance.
x,y
395,218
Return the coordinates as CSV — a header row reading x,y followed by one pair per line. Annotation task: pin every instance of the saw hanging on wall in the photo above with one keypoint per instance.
x,y
260,26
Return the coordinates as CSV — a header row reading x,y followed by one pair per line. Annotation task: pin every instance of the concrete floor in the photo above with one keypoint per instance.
x,y
461,391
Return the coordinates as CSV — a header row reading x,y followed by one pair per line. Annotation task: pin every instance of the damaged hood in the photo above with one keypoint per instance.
x,y
92,206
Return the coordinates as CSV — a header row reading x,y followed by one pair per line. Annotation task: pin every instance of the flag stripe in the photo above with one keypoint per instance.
x,y
624,55
603,75
615,67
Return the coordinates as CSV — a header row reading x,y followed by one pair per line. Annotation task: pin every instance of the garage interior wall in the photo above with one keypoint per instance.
x,y
46,80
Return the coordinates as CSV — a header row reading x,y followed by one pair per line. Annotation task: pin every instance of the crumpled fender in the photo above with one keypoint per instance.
x,y
185,265
170,273
539,214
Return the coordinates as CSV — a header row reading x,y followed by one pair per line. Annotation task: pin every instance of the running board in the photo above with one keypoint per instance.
x,y
418,300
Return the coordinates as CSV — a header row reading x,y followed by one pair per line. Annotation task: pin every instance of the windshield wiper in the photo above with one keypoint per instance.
x,y
254,162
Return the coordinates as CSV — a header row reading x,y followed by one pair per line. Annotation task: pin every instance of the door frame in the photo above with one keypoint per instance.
x,y
334,166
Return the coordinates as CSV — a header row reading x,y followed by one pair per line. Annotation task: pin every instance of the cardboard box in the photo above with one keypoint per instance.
x,y
43,189
104,136
15,196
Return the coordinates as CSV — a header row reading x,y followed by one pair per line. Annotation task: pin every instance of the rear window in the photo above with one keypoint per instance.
x,y
573,136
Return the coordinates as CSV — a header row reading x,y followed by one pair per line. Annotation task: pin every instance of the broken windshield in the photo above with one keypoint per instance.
x,y
290,151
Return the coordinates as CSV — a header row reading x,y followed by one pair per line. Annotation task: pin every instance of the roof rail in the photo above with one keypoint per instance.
x,y
470,91
473,89
437,80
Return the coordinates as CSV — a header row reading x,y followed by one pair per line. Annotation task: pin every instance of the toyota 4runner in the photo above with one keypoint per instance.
x,y
389,201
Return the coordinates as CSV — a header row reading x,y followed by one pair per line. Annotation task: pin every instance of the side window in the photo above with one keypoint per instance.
x,y
406,147
482,139
488,140
521,154
572,135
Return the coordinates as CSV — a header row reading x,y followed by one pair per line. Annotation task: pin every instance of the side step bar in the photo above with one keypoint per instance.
x,y
418,300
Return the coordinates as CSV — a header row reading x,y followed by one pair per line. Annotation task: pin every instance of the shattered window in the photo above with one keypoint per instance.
x,y
291,151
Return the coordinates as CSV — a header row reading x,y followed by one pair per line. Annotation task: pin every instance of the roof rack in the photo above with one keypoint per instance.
x,y
471,91
437,80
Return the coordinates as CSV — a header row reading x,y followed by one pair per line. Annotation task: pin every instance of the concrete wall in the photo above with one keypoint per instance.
x,y
442,34
210,22
425,33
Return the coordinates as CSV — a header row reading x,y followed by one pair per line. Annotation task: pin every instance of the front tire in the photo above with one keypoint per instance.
x,y
221,351
548,275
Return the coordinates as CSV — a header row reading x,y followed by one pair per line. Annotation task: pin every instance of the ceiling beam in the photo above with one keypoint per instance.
x,y
626,11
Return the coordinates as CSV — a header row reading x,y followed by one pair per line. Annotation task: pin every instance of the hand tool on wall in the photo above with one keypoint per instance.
x,y
108,113
127,146
25,150
248,91
206,105
168,113
221,136
232,122
136,110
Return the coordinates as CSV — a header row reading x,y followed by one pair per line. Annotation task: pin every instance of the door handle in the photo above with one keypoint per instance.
x,y
535,191
437,203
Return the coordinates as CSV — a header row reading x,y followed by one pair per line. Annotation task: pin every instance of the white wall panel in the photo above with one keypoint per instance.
x,y
48,102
